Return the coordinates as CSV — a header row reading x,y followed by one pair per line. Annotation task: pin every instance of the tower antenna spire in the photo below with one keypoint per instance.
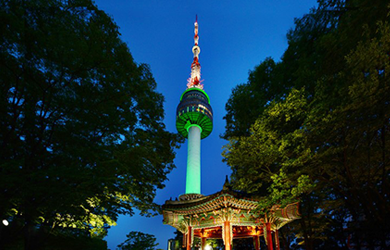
x,y
194,80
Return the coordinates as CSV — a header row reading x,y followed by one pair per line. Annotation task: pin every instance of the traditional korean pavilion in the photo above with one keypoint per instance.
x,y
227,214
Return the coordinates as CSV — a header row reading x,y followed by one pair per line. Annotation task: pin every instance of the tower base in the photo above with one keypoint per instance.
x,y
187,197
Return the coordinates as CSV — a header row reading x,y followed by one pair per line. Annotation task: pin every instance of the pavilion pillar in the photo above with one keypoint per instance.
x,y
277,244
269,236
203,242
256,242
184,243
189,238
227,235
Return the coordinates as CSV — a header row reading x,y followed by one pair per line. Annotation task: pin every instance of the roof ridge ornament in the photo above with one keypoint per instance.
x,y
226,185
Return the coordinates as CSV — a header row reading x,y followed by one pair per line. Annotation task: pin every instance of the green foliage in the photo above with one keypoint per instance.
x,y
138,241
82,134
324,142
284,191
275,142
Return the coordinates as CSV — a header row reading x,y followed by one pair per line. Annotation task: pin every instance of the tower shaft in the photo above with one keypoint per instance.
x,y
193,180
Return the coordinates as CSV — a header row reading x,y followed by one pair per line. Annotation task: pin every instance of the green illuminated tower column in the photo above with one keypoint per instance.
x,y
194,120
193,161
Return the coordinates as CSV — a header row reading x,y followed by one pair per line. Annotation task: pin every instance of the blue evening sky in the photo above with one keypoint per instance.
x,y
235,36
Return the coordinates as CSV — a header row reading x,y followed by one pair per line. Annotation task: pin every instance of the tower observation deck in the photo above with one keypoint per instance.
x,y
194,119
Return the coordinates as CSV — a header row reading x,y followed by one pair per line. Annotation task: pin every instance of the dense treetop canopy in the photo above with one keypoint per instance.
x,y
315,127
81,131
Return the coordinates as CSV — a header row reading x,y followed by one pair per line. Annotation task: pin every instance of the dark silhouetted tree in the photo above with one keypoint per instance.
x,y
138,241
81,129
324,141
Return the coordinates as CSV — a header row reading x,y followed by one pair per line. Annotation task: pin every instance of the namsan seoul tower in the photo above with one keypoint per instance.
x,y
194,120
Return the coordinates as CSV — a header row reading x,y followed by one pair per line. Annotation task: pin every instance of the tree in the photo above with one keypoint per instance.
x,y
138,241
354,154
82,138
329,134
